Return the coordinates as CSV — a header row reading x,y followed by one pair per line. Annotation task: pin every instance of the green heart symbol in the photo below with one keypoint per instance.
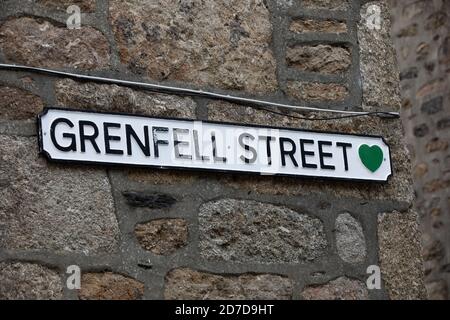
x,y
371,157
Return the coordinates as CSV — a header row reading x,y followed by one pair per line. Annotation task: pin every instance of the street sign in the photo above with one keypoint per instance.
x,y
123,139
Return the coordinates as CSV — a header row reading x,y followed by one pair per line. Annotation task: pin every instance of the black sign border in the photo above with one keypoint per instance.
x,y
112,164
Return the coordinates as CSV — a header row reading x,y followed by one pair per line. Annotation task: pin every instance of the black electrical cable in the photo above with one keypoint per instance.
x,y
368,114
208,94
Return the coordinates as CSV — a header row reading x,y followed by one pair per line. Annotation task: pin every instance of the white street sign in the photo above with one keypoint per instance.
x,y
122,139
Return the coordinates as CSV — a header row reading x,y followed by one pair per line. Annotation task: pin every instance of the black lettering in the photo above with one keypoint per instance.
x,y
323,155
91,138
177,143
145,147
108,137
285,152
197,147
247,148
305,153
214,146
156,141
73,143
268,149
344,152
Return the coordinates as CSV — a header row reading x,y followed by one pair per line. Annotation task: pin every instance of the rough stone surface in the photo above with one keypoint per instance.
x,y
426,95
409,31
323,26
40,43
399,186
379,70
409,73
162,177
326,4
109,286
437,290
320,58
316,91
399,252
436,20
433,249
420,170
51,207
421,130
18,104
279,237
85,5
436,185
341,288
249,231
112,98
26,281
431,87
443,124
162,236
414,8
436,144
350,241
190,284
444,52
222,44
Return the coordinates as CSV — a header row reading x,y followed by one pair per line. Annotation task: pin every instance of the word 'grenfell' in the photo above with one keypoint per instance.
x,y
299,153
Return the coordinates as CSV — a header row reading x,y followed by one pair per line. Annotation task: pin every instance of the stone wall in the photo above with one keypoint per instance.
x,y
144,233
421,31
